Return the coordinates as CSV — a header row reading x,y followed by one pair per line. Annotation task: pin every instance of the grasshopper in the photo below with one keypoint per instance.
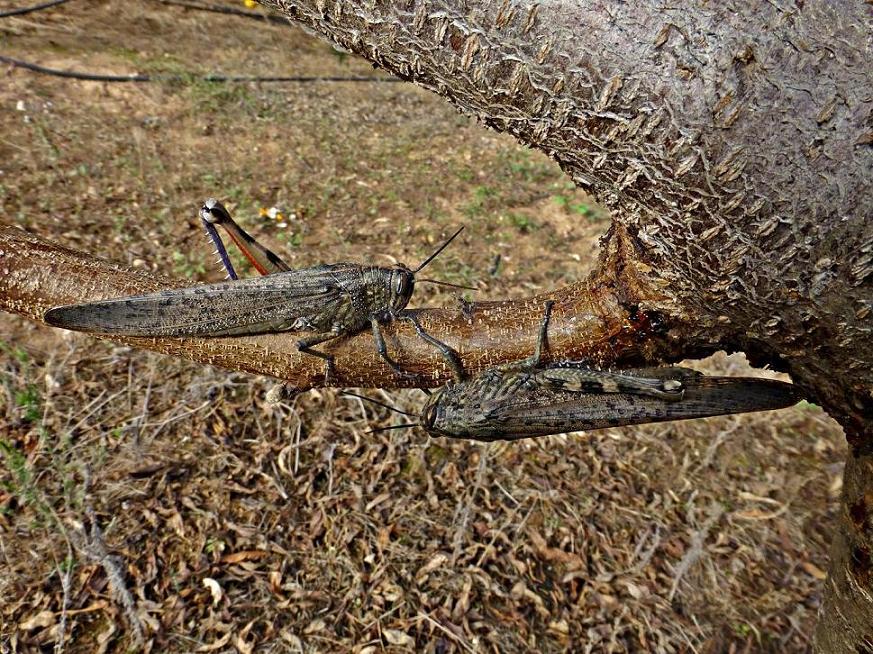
x,y
525,398
331,300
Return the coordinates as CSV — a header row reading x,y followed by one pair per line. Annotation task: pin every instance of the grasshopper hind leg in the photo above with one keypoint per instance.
x,y
533,360
220,250
306,345
263,259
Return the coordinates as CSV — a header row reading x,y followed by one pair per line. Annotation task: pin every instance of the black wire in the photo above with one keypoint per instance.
x,y
133,77
27,10
233,11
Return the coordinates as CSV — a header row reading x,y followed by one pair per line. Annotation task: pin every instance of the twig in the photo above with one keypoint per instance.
x,y
695,551
93,547
448,632
65,600
26,10
142,78
461,531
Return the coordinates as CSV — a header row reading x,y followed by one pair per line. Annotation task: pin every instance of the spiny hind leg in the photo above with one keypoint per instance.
x,y
669,389
672,378
305,345
214,213
215,237
677,373
263,259
576,379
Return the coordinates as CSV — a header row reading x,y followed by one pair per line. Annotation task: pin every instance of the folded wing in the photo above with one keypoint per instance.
x,y
293,300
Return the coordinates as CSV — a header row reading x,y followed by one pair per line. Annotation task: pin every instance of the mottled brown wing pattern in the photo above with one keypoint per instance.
x,y
305,299
539,410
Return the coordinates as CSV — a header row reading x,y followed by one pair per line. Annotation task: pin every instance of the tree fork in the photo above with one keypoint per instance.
x,y
734,145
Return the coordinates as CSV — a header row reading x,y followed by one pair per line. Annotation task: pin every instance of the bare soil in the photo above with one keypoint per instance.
x,y
153,504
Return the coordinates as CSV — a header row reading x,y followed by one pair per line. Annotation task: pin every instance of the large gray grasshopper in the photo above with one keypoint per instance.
x,y
332,300
526,398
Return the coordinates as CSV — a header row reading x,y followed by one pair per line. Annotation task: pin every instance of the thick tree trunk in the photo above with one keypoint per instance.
x,y
734,143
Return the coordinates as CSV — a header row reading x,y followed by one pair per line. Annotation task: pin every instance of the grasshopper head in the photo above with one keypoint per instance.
x,y
401,284
432,413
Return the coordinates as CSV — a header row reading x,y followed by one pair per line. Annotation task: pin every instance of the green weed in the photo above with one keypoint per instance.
x,y
523,223
28,399
184,266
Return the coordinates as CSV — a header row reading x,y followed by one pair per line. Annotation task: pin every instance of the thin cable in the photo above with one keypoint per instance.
x,y
233,11
134,77
27,10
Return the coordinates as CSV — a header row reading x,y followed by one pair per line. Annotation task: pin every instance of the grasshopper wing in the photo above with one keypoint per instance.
x,y
301,299
544,411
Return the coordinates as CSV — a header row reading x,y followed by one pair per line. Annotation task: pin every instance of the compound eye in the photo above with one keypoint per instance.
x,y
402,283
430,416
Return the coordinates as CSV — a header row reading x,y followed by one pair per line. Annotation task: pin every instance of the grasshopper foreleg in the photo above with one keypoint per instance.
x,y
450,355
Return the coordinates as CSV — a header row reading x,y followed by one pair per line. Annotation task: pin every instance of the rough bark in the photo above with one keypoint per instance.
x,y
734,142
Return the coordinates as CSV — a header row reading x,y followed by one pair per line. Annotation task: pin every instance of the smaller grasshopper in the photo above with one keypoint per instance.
x,y
524,398
332,300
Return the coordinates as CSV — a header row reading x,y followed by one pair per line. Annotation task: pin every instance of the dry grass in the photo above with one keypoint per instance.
x,y
158,504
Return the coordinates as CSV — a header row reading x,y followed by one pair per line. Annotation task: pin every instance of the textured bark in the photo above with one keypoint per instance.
x,y
734,142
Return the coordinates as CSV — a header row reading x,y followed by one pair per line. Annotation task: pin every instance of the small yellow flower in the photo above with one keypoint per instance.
x,y
251,4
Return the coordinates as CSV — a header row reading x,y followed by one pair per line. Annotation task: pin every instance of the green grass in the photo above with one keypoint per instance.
x,y
187,265
523,223
522,166
482,199
579,208
222,98
28,399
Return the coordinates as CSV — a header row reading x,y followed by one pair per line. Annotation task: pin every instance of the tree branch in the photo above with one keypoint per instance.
x,y
611,319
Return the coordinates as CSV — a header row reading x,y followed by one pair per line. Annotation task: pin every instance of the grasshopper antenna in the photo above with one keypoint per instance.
x,y
382,404
436,281
440,249
406,426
